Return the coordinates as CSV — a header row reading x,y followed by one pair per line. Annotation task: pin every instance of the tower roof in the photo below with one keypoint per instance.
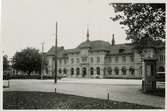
x,y
113,39
87,35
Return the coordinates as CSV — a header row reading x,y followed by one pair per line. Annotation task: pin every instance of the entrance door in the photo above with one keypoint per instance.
x,y
83,72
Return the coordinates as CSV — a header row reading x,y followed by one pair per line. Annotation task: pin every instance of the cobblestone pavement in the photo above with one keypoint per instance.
x,y
118,89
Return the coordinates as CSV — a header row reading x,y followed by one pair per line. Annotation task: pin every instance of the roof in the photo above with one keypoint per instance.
x,y
95,45
121,49
60,51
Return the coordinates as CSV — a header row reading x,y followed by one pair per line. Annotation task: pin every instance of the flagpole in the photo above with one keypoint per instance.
x,y
55,79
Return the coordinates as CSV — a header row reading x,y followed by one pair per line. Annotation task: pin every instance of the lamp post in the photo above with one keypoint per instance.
x,y
55,78
42,60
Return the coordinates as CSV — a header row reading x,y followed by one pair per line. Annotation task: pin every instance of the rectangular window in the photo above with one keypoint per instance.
x,y
60,61
131,58
91,59
65,62
84,59
116,59
98,60
124,58
162,58
77,60
109,59
72,60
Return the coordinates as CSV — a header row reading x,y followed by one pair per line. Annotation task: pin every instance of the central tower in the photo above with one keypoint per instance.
x,y
87,35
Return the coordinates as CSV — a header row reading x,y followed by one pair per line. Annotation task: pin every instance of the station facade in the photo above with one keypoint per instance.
x,y
100,59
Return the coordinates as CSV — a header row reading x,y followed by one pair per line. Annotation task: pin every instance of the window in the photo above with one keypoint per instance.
x,y
65,70
104,71
78,71
132,58
98,60
72,60
72,71
60,71
109,70
109,59
162,58
116,59
116,70
121,50
91,59
84,59
131,70
91,71
98,70
65,62
161,69
124,70
84,71
60,61
77,60
124,58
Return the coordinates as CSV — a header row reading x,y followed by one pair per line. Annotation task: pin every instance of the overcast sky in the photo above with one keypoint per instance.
x,y
27,23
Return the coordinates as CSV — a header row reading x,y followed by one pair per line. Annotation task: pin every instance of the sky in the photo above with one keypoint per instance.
x,y
28,23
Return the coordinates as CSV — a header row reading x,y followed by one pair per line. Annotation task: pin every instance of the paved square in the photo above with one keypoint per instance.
x,y
118,89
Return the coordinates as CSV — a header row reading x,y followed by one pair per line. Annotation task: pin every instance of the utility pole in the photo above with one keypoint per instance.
x,y
55,79
42,60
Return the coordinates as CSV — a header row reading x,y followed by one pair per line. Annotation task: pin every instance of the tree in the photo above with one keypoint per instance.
x,y
143,22
28,60
5,63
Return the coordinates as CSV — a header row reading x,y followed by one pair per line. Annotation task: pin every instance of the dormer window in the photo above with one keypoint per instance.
x,y
121,50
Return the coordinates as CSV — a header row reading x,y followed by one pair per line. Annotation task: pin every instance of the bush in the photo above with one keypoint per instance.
x,y
29,77
48,77
23,77
122,78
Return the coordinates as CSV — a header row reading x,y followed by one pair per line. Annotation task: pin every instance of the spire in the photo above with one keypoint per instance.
x,y
87,35
113,40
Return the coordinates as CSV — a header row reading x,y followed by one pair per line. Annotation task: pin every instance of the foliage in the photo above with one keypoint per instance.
x,y
28,60
22,76
5,63
143,21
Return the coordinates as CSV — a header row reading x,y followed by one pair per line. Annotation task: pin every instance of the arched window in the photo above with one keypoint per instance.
x,y
116,70
104,71
72,71
65,70
109,70
98,70
161,69
60,71
124,70
78,71
91,71
131,70
84,72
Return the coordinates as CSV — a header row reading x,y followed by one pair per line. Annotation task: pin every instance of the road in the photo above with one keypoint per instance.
x,y
118,89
